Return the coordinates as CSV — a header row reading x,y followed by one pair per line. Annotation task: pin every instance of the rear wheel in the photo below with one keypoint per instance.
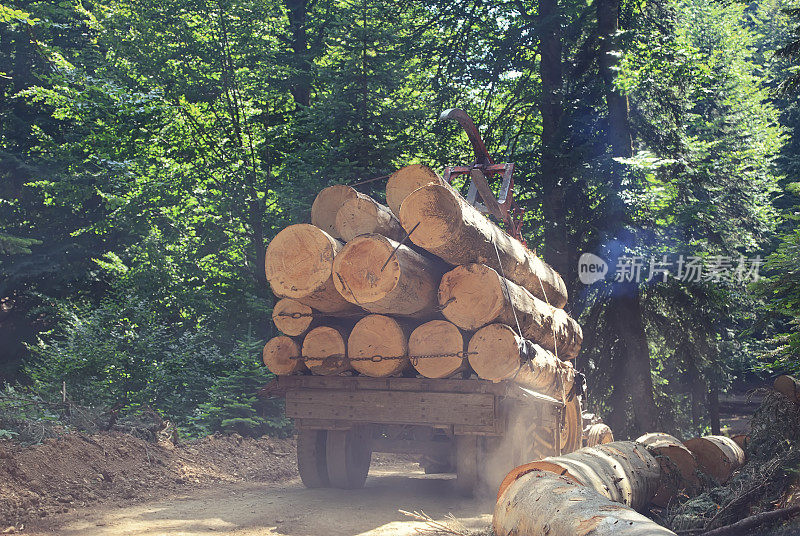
x,y
311,460
348,458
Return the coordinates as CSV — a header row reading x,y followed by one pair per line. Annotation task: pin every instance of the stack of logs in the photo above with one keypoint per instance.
x,y
427,285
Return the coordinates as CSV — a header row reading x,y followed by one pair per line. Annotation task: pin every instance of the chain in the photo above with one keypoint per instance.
x,y
297,316
378,358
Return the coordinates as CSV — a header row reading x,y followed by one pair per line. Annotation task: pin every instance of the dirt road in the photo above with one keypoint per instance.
x,y
248,509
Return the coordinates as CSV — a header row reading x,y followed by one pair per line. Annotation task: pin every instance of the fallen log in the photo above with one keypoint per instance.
x,y
325,350
474,295
298,265
378,346
678,467
282,356
789,386
444,345
599,434
541,502
742,440
445,224
407,179
497,353
717,456
327,204
363,215
291,317
622,471
384,277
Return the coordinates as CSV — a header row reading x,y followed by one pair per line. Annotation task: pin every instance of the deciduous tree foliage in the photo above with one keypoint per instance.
x,y
150,150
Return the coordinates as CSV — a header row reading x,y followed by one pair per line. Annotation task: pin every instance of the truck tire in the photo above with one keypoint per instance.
x,y
311,459
572,431
348,457
467,468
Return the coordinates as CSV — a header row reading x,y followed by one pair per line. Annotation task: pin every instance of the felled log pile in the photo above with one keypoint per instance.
x,y
425,286
599,489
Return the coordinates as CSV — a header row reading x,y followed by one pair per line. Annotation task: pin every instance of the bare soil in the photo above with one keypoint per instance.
x,y
76,471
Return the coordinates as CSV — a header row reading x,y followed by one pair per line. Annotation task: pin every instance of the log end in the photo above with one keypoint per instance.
x,y
357,216
327,204
438,213
281,355
298,260
471,296
405,180
365,271
325,352
292,317
717,456
494,352
378,346
437,337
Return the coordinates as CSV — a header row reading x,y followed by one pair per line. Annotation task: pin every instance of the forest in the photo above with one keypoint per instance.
x,y
150,150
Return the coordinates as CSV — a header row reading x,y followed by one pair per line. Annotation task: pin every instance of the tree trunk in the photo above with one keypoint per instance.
x,y
407,179
626,312
619,132
678,467
717,456
713,408
325,350
599,434
622,471
363,215
378,346
292,318
282,356
327,204
297,11
497,353
298,264
446,225
553,209
437,337
384,277
568,509
474,295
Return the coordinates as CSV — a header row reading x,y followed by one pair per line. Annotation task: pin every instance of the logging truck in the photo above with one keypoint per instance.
x,y
475,428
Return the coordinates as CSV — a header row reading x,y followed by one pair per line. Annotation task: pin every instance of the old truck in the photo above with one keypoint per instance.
x,y
473,427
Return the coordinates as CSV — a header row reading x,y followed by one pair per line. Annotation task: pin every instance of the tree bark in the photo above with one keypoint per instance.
x,y
384,277
619,132
474,295
297,11
540,502
440,221
788,386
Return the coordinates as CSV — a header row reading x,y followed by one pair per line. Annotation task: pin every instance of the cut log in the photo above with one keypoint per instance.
x,y
452,229
385,277
678,467
571,433
622,471
496,353
298,265
474,295
599,434
789,386
406,180
541,503
282,356
291,317
327,204
717,456
363,215
437,337
742,440
325,350
378,346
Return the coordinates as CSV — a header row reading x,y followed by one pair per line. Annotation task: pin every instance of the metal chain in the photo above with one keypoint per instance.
x,y
378,358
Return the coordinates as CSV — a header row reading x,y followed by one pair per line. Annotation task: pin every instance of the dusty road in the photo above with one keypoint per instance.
x,y
287,508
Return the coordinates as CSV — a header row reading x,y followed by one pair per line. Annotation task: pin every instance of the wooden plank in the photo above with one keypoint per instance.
x,y
392,407
447,385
